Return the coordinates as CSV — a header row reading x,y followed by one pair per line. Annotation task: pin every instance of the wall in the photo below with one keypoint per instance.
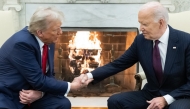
x,y
19,7
174,5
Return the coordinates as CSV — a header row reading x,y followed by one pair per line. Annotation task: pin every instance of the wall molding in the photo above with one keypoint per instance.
x,y
18,6
181,5
12,4
87,1
168,4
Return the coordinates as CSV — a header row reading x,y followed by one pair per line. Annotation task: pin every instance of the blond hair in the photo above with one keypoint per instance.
x,y
42,17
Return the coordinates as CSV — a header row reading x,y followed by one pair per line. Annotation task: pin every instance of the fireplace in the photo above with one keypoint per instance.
x,y
112,42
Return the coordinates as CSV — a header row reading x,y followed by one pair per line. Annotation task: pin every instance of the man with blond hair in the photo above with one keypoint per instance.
x,y
26,66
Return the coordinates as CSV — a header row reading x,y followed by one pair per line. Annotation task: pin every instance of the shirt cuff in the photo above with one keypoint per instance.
x,y
169,99
68,89
42,94
90,76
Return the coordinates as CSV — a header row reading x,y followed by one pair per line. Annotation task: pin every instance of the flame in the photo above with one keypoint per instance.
x,y
83,44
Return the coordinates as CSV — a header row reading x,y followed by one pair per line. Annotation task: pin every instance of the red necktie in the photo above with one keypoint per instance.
x,y
44,58
157,62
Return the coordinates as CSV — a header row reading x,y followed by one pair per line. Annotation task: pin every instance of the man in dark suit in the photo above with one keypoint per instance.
x,y
22,81
168,89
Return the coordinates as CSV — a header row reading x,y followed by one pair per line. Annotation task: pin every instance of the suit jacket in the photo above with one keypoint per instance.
x,y
176,76
20,68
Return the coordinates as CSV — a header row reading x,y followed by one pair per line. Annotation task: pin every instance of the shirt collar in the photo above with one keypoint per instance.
x,y
41,44
165,36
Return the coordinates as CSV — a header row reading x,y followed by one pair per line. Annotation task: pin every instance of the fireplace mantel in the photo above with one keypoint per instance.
x,y
15,3
92,1
20,8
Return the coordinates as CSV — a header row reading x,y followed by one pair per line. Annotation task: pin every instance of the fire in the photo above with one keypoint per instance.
x,y
84,52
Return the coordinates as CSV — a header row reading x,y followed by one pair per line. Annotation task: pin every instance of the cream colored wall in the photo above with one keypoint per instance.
x,y
6,26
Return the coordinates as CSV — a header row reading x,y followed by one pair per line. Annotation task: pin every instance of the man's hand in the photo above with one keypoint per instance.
x,y
84,79
157,103
79,83
76,84
29,96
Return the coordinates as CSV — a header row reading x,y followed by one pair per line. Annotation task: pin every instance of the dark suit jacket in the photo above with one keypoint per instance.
x,y
20,68
176,80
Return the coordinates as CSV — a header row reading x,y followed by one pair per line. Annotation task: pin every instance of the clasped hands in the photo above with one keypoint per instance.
x,y
80,82
29,96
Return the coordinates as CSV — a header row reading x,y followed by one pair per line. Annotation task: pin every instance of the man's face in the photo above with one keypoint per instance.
x,y
148,26
52,33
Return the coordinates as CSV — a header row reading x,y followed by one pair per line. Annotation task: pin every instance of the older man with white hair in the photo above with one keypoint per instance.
x,y
164,54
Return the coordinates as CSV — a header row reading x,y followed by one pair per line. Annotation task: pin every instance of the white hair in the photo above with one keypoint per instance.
x,y
159,11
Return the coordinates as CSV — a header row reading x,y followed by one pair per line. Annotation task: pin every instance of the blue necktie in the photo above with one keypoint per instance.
x,y
157,62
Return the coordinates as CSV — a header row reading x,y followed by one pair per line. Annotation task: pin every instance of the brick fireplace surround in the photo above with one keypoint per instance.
x,y
116,39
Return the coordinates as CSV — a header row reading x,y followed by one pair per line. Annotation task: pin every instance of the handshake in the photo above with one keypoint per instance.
x,y
29,96
80,82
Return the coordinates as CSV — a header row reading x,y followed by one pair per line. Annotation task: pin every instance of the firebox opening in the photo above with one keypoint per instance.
x,y
86,48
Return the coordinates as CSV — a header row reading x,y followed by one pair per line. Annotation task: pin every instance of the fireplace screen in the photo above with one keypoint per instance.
x,y
85,49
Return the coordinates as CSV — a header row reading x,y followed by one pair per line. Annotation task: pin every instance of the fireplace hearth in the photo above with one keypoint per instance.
x,y
73,56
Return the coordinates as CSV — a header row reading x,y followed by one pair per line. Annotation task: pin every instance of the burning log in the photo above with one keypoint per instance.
x,y
84,53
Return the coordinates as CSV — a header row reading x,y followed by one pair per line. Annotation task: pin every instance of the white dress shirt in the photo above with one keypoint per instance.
x,y
163,45
41,44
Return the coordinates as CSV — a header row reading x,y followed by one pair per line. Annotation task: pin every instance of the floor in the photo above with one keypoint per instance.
x,y
89,108
87,102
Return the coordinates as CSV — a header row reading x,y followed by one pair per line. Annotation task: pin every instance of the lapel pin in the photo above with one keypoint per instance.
x,y
49,48
174,47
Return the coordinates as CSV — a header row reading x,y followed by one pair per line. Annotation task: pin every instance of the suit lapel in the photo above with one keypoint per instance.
x,y
38,54
50,61
36,44
148,49
171,53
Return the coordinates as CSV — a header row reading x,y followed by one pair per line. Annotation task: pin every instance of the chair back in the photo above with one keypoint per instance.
x,y
180,21
6,26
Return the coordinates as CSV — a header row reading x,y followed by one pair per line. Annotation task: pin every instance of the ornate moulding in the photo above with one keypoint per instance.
x,y
168,4
12,4
15,3
95,1
181,5
18,6
85,1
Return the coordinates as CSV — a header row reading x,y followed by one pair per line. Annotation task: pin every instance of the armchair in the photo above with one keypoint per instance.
x,y
7,26
140,80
